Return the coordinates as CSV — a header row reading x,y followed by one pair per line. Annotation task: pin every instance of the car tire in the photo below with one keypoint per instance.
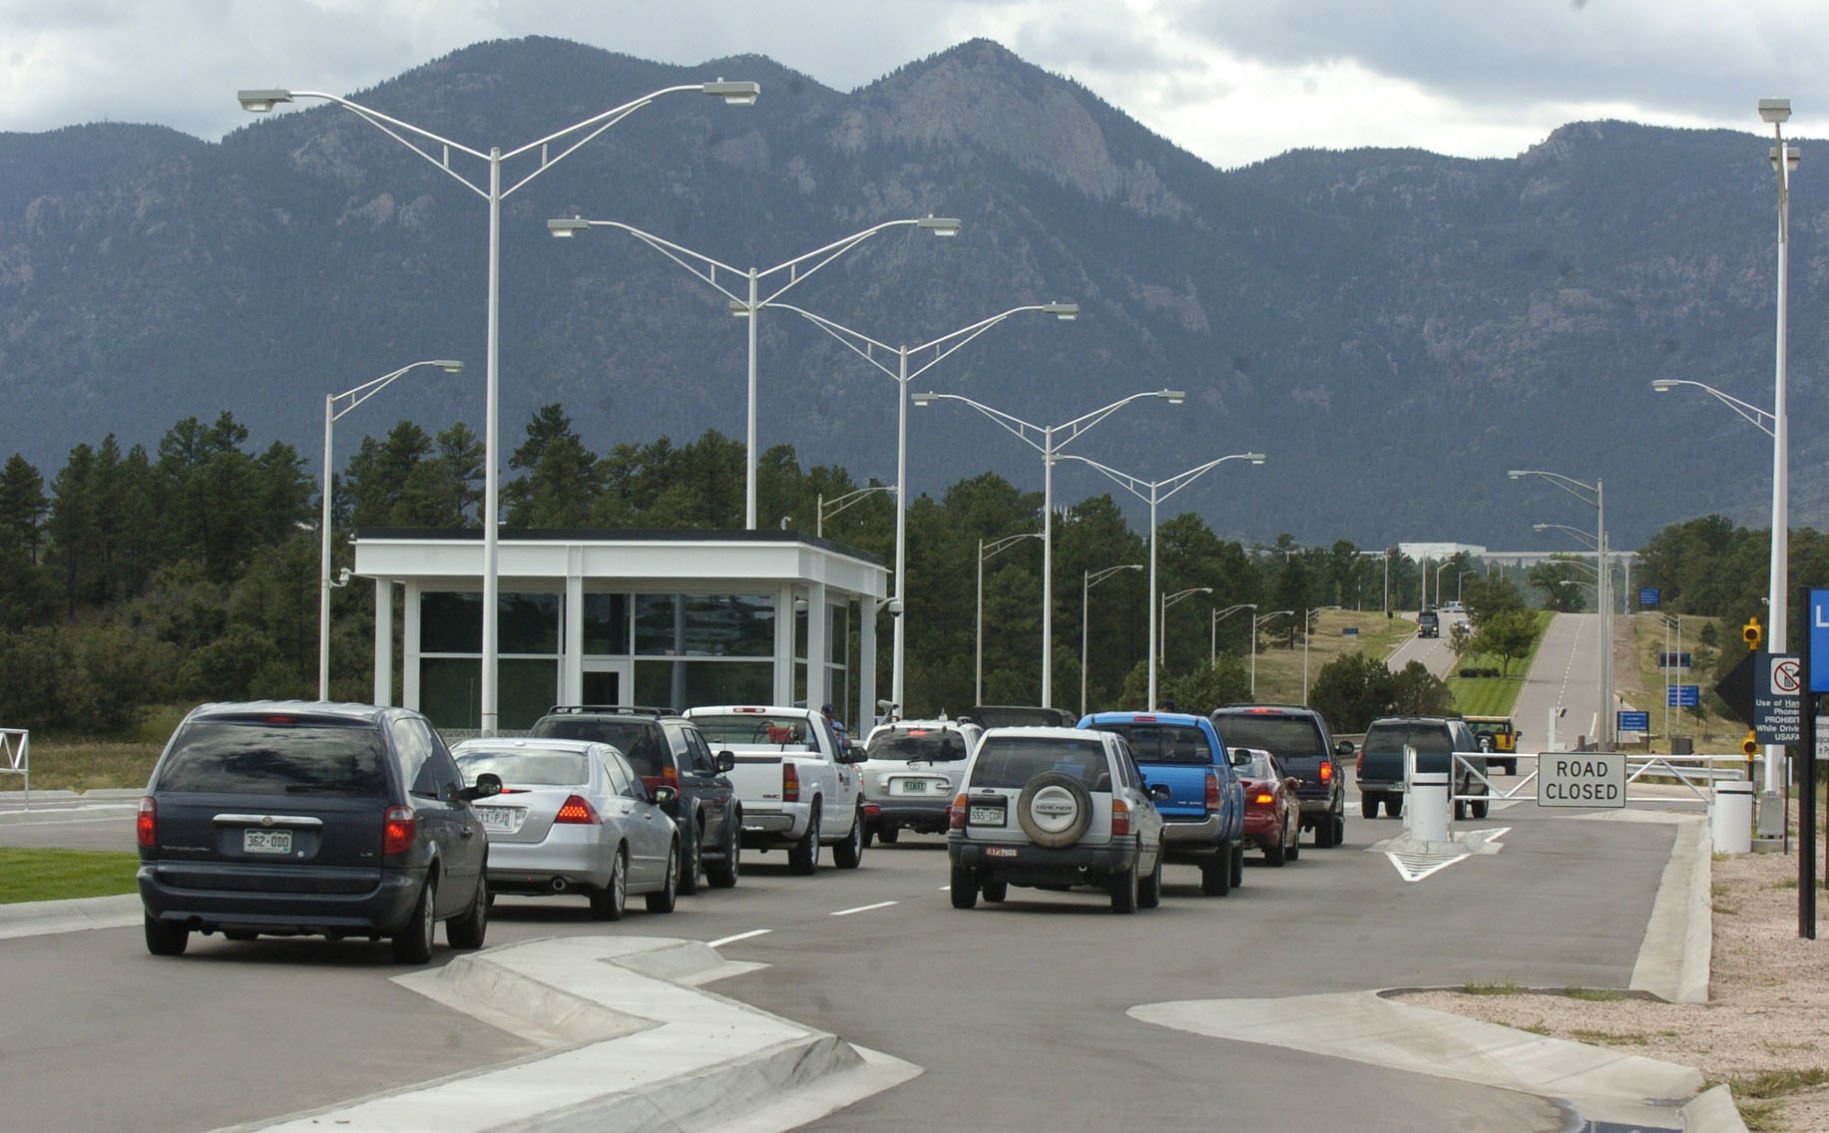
x,y
889,835
1368,805
1295,844
692,871
723,874
1053,785
964,890
1460,810
668,896
1238,864
869,836
1149,889
165,939
1339,830
609,903
996,891
1480,807
803,856
1394,805
413,943
849,854
467,931
1324,832
1124,891
1277,852
1216,873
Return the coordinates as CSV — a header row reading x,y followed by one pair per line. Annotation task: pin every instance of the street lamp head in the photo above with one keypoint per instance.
x,y
1663,385
923,398
939,225
1174,396
739,310
564,228
449,365
261,101
1517,474
735,93
1066,312
1255,457
1540,527
1774,110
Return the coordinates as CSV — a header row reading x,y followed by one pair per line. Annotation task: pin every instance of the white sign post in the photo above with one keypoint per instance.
x,y
1582,779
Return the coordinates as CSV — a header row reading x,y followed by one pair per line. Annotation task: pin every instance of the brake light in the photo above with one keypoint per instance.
x,y
146,826
1120,818
1359,764
576,811
955,814
670,775
1263,799
398,825
1212,791
1144,718
790,783
1327,772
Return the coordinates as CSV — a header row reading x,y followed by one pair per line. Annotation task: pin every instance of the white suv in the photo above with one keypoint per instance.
x,y
911,770
1055,807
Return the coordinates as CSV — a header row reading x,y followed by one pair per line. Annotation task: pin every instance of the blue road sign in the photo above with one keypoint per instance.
x,y
1649,597
1682,696
1819,641
1635,721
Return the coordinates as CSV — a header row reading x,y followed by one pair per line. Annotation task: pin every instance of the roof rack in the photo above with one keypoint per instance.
x,y
608,710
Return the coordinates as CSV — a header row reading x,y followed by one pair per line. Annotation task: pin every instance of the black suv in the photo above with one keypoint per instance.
x,y
295,818
666,749
1301,742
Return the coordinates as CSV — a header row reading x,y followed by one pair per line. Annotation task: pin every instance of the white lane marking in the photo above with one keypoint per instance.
x,y
740,936
865,908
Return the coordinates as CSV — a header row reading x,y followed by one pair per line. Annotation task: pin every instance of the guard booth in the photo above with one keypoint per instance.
x,y
672,618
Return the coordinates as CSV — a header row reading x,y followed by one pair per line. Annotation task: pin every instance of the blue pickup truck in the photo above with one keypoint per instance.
x,y
1203,819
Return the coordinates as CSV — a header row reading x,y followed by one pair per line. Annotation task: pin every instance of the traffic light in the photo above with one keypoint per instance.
x,y
1749,747
1750,633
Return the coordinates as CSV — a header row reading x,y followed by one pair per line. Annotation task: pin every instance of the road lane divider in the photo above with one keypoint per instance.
x,y
864,908
752,933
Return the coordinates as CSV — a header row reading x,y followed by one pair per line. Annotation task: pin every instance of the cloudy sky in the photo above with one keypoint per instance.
x,y
1231,80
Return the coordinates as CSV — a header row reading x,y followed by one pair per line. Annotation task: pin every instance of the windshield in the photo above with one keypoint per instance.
x,y
277,756
638,740
1281,736
1427,739
1012,762
1163,743
527,768
755,729
1252,765
932,745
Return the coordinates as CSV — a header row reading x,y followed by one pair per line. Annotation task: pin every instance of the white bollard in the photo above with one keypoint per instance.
x,y
1730,817
1429,806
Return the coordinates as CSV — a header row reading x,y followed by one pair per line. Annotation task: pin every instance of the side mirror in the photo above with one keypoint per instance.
x,y
488,785
726,763
664,795
1344,749
853,753
1160,793
1238,758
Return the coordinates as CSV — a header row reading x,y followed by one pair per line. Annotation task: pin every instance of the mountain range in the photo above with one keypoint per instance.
x,y
1395,329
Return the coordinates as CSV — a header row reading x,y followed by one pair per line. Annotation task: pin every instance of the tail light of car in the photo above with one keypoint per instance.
x,y
1359,764
576,810
1213,802
1327,771
146,826
790,783
1262,798
955,814
398,826
1120,818
670,775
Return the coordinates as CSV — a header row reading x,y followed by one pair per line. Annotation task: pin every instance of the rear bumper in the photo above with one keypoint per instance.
x,y
897,813
1025,864
380,911
533,868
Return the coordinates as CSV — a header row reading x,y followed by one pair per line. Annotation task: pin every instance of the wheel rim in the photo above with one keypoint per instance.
x,y
673,870
619,882
428,922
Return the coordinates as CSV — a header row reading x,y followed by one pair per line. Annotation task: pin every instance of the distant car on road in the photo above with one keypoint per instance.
x,y
1273,817
911,770
1436,740
1428,624
1497,735
306,818
573,819
1299,738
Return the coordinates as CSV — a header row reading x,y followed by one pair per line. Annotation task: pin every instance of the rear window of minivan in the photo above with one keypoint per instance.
x,y
274,757
1009,761
935,745
1427,739
1280,735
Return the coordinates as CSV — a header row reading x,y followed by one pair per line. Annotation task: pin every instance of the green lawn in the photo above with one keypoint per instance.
x,y
54,875
1493,696
82,765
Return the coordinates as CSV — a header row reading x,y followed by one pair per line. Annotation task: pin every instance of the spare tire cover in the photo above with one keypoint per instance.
x,y
1054,809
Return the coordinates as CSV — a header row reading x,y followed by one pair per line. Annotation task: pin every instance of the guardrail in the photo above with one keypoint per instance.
x,y
1693,772
16,757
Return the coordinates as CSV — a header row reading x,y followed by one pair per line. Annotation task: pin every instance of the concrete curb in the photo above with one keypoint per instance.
x,y
43,918
646,1053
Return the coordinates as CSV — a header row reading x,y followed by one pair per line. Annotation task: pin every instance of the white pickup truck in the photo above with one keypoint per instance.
x,y
796,783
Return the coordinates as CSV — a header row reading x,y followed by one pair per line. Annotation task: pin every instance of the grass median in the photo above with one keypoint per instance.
x,y
58,875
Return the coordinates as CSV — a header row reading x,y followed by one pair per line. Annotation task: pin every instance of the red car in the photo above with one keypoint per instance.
x,y
1273,813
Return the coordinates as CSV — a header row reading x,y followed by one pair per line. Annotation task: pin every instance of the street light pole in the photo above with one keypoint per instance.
x,y
987,552
829,508
748,304
439,151
332,415
1169,600
1594,495
1220,616
1049,447
943,347
1088,580
1776,111
1152,492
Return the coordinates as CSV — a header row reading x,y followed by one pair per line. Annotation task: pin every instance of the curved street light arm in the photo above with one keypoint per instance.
x,y
1585,536
1125,480
1086,421
1585,492
1759,418
857,342
368,389
831,507
946,344
1099,576
1011,423
1258,622
1222,615
1170,599
997,546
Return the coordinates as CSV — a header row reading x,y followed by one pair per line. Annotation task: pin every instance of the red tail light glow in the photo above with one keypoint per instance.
x,y
790,783
1120,818
1327,772
1263,798
398,825
1212,790
670,775
1359,764
955,814
575,810
146,826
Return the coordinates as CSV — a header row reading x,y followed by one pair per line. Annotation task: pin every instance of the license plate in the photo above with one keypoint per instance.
x,y
498,819
913,787
266,841
985,816
999,851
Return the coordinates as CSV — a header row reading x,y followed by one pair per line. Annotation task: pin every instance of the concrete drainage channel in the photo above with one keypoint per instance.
x,y
633,1042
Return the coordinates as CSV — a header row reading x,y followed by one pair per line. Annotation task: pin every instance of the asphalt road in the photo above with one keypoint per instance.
x,y
1433,652
1566,676
1016,1012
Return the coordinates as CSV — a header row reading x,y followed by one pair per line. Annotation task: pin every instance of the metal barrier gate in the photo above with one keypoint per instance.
x,y
1692,772
16,757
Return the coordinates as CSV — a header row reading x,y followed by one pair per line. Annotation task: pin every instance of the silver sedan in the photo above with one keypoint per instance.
x,y
574,819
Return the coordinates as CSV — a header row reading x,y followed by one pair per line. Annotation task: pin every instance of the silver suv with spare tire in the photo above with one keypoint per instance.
x,y
1053,808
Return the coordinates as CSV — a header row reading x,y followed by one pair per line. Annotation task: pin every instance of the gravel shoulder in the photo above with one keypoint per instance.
x,y
1764,1029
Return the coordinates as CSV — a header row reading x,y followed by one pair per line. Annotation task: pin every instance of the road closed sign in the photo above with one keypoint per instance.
x,y
1581,779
